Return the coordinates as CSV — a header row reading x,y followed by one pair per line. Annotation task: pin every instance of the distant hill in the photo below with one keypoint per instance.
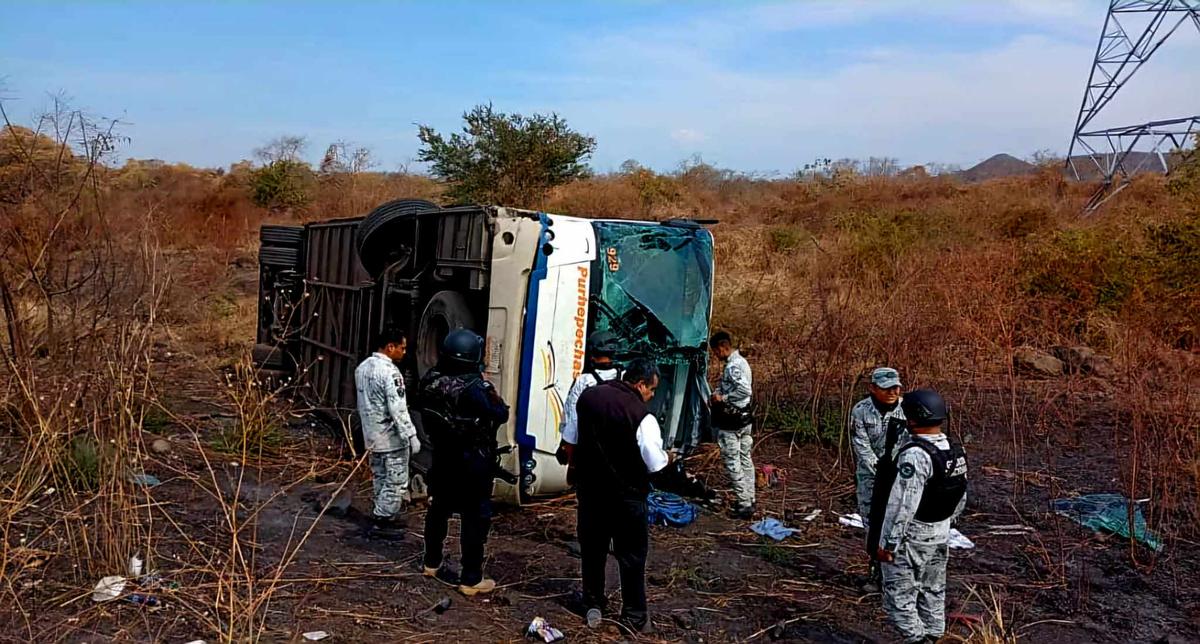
x,y
1006,165
1136,162
1000,165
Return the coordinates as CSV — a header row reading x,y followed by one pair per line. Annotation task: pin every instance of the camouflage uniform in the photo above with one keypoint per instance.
x,y
389,472
868,433
387,429
736,444
914,583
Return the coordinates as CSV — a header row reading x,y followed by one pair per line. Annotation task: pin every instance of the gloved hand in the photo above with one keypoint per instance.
x,y
414,445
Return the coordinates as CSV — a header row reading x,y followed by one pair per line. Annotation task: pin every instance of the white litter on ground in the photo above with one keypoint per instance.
x,y
958,540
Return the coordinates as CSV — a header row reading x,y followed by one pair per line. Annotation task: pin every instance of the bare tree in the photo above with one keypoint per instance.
x,y
1046,158
341,158
56,273
284,148
881,167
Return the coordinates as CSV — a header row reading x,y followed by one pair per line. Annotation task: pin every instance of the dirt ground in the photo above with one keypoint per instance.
x,y
712,581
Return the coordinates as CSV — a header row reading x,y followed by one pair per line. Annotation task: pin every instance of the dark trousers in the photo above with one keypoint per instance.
x,y
621,523
462,487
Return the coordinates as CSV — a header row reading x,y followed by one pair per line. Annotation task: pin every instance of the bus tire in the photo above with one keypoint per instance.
x,y
446,311
375,254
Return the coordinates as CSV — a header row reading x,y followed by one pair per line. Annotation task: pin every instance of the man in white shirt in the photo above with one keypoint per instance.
x,y
619,448
388,431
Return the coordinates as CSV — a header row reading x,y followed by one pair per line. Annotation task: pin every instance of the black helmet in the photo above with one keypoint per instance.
x,y
603,344
463,346
925,407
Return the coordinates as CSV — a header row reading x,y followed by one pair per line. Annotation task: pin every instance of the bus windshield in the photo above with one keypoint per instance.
x,y
652,288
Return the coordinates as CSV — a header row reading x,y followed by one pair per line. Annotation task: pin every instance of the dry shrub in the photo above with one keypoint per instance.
x,y
996,626
825,277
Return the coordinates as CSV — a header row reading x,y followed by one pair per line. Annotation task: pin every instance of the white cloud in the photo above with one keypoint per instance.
x,y
914,103
685,135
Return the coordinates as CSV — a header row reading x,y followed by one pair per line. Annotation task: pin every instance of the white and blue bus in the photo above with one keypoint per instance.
x,y
534,284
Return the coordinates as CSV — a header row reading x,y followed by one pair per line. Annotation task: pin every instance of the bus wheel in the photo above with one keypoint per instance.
x,y
446,311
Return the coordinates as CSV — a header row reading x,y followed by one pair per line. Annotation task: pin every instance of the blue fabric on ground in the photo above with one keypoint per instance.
x,y
774,528
664,508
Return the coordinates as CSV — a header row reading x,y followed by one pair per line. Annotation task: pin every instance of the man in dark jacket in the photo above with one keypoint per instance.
x,y
461,412
620,446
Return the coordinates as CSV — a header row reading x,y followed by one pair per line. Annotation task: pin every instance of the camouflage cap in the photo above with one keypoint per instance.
x,y
885,378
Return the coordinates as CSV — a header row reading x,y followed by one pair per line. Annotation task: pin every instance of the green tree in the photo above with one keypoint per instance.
x,y
506,158
282,185
284,181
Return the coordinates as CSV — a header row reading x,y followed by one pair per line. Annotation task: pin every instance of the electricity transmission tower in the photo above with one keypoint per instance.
x,y
1133,31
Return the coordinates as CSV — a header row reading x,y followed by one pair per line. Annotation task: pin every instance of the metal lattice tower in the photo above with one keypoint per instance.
x,y
1119,54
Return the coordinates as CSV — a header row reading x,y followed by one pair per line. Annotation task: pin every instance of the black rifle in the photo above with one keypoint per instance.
x,y
885,477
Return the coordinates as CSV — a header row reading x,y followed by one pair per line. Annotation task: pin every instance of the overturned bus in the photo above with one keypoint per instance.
x,y
535,285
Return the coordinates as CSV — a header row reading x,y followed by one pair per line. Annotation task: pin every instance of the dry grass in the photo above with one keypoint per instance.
x,y
824,277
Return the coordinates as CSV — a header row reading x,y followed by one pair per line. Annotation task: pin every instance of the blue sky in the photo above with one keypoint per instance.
x,y
753,86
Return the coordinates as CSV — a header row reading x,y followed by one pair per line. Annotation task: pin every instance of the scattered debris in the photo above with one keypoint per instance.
x,y
442,606
1008,530
772,475
154,581
145,480
135,566
852,520
812,515
958,540
773,528
664,508
541,628
109,588
1109,513
148,601
315,636
160,446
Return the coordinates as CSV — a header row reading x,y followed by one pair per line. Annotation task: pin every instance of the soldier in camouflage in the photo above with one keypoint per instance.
x,y
732,417
868,424
388,431
928,495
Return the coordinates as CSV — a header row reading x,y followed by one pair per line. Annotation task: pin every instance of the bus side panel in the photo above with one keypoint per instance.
x,y
556,357
514,250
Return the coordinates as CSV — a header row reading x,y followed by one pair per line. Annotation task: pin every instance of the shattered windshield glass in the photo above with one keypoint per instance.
x,y
654,285
652,288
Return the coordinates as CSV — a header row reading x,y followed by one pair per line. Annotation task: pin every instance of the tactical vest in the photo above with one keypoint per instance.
x,y
946,487
442,413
